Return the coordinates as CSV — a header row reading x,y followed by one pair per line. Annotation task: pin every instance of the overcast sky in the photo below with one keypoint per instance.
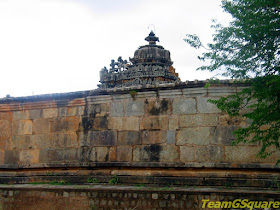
x,y
52,46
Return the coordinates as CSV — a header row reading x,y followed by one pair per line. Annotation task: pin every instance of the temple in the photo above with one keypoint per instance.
x,y
151,65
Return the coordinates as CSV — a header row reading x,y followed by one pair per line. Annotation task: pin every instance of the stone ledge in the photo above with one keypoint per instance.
x,y
129,188
144,165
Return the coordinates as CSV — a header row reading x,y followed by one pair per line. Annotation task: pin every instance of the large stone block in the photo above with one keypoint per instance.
x,y
212,154
124,153
153,137
50,113
173,122
187,154
184,106
5,128
195,136
35,113
102,138
129,137
154,123
224,135
65,124
134,108
97,110
98,123
171,137
226,120
204,106
2,156
242,154
21,115
11,157
158,107
21,127
4,142
67,111
169,154
130,124
102,154
123,123
156,153
65,140
58,155
43,141
113,154
198,120
6,116
22,142
41,126
29,156
117,109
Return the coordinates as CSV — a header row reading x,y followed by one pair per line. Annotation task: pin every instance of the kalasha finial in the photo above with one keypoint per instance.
x,y
152,39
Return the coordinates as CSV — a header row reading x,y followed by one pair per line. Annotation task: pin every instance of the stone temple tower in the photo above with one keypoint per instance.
x,y
151,65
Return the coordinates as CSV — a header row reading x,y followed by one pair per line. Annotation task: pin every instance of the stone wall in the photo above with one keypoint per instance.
x,y
162,129
161,126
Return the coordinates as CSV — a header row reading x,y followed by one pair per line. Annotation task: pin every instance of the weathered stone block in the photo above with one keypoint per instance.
x,y
129,138
117,109
149,153
67,111
187,154
5,128
102,154
195,136
226,120
21,127
42,141
65,124
23,142
41,126
184,106
2,156
11,157
130,124
50,113
173,122
169,154
100,123
153,137
6,116
97,110
241,154
170,137
65,140
3,142
113,154
156,153
198,120
224,135
210,154
158,107
124,153
65,155
21,115
115,123
29,156
154,123
134,108
35,113
102,138
204,106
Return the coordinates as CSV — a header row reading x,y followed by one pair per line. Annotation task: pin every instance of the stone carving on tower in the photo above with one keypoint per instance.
x,y
150,65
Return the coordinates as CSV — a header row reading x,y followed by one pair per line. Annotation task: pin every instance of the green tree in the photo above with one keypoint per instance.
x,y
248,49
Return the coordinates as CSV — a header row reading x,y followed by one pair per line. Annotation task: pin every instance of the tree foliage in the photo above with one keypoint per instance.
x,y
249,49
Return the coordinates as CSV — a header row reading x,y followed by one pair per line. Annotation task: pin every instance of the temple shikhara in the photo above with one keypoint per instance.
x,y
151,65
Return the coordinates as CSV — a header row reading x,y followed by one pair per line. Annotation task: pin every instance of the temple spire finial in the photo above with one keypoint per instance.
x,y
152,39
